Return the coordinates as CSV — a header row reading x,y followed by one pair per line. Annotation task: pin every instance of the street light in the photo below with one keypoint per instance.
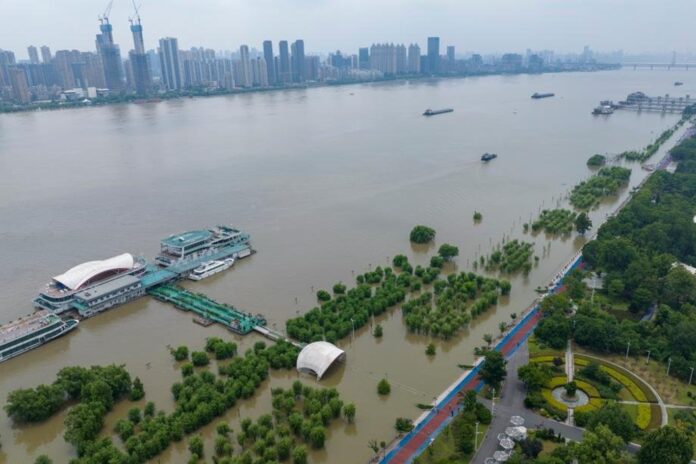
x,y
352,321
628,347
691,375
669,363
648,361
476,437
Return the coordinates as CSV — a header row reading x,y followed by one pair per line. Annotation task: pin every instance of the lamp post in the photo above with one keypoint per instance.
x,y
476,437
648,361
628,347
691,375
352,321
669,363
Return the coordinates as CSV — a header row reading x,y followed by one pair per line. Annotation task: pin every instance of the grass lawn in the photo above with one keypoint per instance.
x,y
537,349
671,389
631,409
444,449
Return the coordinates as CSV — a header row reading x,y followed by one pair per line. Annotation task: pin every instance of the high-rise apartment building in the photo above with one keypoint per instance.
x,y
33,54
298,61
383,58
284,71
46,54
433,55
62,65
20,87
268,57
169,62
401,59
450,53
414,58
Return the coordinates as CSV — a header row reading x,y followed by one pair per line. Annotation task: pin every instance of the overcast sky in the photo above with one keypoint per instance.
x,y
325,25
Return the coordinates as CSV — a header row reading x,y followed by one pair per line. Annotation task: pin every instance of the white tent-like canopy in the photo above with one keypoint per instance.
x,y
317,357
75,277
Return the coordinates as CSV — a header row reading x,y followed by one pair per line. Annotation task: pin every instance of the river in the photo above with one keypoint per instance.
x,y
328,182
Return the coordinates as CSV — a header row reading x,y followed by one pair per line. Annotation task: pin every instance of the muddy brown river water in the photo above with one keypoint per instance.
x,y
328,182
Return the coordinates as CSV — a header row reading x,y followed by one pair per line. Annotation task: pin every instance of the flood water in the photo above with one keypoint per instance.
x,y
328,182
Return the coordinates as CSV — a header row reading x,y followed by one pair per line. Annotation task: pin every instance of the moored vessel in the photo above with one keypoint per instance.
x,y
603,109
30,332
210,268
537,95
486,157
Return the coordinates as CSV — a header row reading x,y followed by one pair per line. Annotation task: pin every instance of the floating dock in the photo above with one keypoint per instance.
x,y
237,321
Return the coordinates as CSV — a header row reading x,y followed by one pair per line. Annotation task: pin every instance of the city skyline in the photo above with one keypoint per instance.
x,y
498,26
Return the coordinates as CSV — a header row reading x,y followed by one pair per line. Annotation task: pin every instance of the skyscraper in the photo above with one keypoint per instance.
x,y
169,61
140,69
298,61
414,59
433,55
62,64
33,54
268,57
46,54
245,67
364,58
284,75
450,53
110,56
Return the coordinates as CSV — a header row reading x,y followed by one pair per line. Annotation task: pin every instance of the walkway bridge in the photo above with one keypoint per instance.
x,y
227,315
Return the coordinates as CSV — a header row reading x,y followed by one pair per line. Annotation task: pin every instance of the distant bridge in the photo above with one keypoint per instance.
x,y
659,65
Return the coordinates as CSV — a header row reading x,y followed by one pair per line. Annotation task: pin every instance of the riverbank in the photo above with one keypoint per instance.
x,y
156,98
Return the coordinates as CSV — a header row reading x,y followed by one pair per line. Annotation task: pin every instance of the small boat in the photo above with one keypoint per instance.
x,y
603,109
537,95
678,83
430,112
210,268
486,157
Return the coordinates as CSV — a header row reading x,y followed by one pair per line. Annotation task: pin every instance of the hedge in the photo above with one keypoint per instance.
x,y
588,388
643,419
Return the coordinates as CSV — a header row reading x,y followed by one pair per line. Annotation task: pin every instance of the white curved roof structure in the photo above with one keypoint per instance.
x,y
77,276
317,357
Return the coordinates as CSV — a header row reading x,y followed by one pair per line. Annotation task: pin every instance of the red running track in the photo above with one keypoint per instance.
x,y
408,451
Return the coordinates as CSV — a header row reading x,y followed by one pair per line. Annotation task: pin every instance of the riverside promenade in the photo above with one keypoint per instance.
x,y
431,423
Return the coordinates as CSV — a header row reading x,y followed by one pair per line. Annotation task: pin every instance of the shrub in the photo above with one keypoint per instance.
x,y
180,353
323,295
403,425
430,350
378,332
383,387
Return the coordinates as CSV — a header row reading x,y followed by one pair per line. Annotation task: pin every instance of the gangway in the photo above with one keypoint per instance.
x,y
227,315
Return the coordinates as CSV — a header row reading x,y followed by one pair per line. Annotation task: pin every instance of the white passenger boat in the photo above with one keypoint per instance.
x,y
210,268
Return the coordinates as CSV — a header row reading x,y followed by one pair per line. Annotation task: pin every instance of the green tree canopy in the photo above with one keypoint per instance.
x,y
493,370
666,445
422,234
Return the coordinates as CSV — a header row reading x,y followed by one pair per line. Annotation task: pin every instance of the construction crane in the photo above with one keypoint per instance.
x,y
104,18
136,8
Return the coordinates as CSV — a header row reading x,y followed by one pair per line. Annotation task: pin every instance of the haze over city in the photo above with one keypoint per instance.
x,y
327,25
